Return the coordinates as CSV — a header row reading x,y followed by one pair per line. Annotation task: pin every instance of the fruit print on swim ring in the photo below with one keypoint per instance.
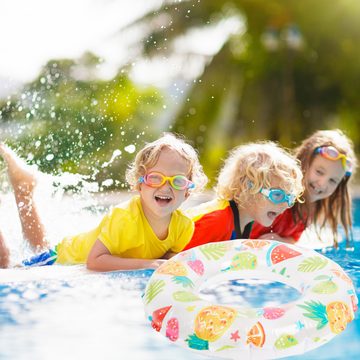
x,y
176,309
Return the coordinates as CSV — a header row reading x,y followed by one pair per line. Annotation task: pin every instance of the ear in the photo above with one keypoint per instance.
x,y
137,188
187,194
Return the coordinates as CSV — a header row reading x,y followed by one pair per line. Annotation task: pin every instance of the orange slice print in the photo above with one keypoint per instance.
x,y
256,335
256,244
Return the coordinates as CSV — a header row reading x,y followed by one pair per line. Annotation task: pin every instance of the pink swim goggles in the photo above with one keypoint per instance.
x,y
331,153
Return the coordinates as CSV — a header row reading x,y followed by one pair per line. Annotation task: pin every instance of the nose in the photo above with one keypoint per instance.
x,y
166,185
322,183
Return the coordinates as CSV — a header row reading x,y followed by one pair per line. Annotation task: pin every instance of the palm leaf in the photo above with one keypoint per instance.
x,y
312,264
214,251
154,288
183,280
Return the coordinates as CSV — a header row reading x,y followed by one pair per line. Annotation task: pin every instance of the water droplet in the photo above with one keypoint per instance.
x,y
107,182
130,149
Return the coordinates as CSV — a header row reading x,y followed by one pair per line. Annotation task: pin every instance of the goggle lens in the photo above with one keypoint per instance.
x,y
331,153
278,196
180,182
155,180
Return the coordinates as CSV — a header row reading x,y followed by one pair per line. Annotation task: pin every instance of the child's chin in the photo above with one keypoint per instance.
x,y
164,211
266,222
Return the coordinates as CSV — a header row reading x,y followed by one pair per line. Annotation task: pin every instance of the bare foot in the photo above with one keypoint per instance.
x,y
21,176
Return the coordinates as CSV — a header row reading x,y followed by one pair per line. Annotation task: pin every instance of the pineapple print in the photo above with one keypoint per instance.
x,y
336,313
172,268
210,324
339,316
179,271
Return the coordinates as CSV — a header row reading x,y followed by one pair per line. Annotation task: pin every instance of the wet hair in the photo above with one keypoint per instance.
x,y
250,167
336,208
148,156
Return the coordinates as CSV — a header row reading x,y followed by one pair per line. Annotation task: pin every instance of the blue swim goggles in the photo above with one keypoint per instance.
x,y
278,196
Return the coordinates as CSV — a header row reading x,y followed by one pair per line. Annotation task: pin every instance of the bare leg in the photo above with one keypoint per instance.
x,y
23,181
4,253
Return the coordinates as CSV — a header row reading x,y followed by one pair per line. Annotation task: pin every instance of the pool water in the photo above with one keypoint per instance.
x,y
84,315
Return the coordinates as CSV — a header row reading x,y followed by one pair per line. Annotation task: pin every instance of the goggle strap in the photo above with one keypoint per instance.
x,y
191,185
265,192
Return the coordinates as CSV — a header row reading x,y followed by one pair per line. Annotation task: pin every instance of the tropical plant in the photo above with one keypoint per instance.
x,y
288,69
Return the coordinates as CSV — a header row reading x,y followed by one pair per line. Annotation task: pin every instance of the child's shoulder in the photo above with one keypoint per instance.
x,y
208,207
130,208
181,216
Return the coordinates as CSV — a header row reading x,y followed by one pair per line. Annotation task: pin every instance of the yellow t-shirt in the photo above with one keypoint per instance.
x,y
126,233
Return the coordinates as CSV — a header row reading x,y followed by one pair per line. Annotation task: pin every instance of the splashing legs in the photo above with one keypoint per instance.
x,y
23,181
4,253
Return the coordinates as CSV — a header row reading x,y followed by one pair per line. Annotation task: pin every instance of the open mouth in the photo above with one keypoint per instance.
x,y
315,190
272,215
163,199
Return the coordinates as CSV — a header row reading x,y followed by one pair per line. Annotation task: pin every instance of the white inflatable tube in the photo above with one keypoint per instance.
x,y
175,308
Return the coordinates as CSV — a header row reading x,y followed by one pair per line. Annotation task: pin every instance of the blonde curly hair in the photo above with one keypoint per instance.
x,y
148,156
253,166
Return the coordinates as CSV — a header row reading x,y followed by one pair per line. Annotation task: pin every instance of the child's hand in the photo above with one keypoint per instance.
x,y
156,263
270,236
274,236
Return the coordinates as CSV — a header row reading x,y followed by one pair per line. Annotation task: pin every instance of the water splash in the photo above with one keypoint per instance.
x,y
115,154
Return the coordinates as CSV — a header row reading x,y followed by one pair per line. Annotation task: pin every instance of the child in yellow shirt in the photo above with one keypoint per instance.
x,y
134,235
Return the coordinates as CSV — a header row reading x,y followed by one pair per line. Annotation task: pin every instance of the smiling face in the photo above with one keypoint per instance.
x,y
322,178
159,203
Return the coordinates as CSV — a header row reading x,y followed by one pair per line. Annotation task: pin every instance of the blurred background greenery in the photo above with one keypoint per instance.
x,y
281,70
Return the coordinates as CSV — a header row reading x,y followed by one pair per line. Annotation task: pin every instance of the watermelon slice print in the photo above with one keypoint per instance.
x,y
158,317
280,252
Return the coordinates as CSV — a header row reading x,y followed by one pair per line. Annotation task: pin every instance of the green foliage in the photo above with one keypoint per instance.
x,y
71,121
253,90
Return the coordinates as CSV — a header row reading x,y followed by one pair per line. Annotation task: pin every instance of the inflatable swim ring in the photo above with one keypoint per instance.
x,y
175,308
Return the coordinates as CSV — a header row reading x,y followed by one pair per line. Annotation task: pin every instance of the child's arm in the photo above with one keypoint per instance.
x,y
100,259
274,236
168,255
